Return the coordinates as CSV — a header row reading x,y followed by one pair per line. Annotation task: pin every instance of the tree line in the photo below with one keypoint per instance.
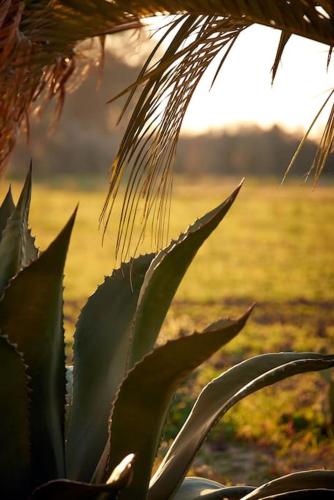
x,y
87,138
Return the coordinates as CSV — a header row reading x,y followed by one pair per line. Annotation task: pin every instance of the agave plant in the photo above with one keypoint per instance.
x,y
64,440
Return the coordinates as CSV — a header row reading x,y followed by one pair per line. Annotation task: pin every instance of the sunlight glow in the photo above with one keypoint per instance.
x,y
243,93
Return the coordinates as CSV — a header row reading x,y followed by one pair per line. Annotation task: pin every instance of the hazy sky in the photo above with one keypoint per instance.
x,y
243,92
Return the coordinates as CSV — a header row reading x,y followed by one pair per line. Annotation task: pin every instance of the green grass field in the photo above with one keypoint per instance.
x,y
274,248
275,244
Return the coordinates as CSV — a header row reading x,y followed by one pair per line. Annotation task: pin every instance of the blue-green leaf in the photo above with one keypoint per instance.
x,y
144,397
314,494
31,317
62,489
165,275
6,210
304,480
17,248
101,352
214,401
199,488
15,459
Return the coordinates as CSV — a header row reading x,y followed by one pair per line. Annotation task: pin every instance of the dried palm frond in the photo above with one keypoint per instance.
x,y
38,53
284,38
325,146
147,152
308,18
204,30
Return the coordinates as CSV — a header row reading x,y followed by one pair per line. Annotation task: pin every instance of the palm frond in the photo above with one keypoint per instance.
x,y
147,152
38,54
308,18
205,29
325,145
284,38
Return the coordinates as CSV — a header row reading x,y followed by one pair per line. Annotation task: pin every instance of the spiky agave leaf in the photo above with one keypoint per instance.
x,y
74,490
165,275
17,248
15,458
31,316
199,488
102,344
309,494
118,326
304,480
216,399
140,409
6,210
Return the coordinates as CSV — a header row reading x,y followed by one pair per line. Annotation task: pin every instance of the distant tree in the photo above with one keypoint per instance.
x,y
247,150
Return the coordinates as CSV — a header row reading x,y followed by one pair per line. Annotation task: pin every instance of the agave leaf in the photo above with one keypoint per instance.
x,y
198,488
144,397
30,250
31,316
68,395
16,245
14,429
303,495
165,275
6,210
72,490
13,241
69,384
214,401
195,487
101,352
321,493
307,480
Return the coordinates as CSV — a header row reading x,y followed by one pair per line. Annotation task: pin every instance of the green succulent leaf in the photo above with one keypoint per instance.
x,y
198,488
6,210
313,494
305,480
69,384
31,317
195,487
101,353
12,245
30,250
216,399
68,395
165,275
72,490
14,429
17,248
144,397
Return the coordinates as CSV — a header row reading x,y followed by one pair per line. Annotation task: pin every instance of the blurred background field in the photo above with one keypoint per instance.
x,y
275,248
276,244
